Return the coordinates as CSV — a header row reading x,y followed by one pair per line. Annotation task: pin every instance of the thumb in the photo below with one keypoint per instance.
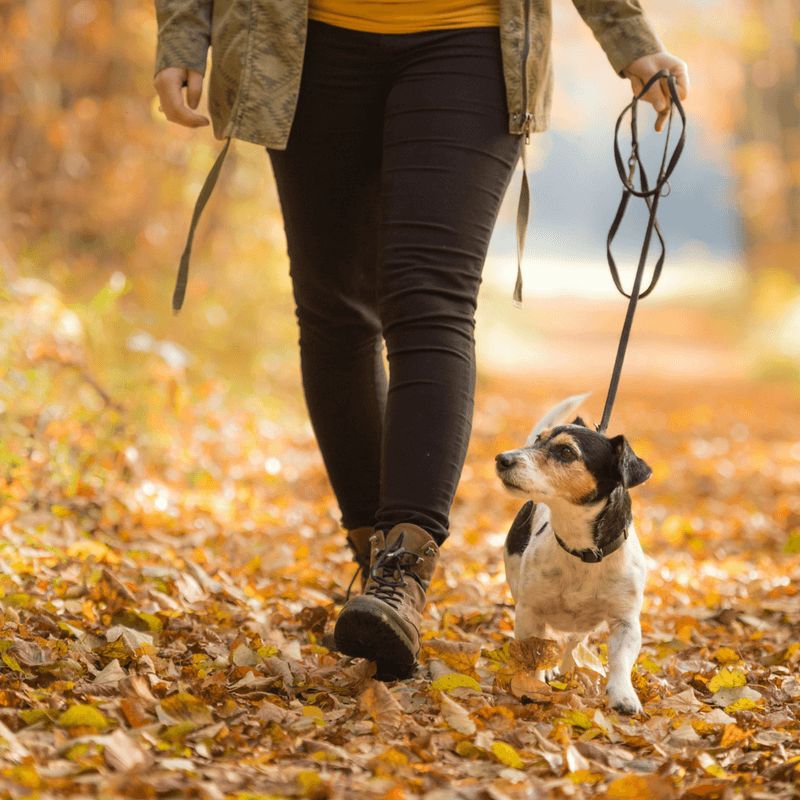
x,y
194,88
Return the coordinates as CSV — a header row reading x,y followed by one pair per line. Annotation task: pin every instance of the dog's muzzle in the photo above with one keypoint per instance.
x,y
505,461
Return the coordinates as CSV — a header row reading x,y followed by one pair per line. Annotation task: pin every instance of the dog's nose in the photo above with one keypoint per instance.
x,y
505,460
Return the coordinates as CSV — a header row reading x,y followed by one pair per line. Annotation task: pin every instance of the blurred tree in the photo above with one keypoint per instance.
x,y
768,157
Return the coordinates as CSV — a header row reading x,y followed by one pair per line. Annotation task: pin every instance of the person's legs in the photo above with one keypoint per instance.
x,y
328,181
447,161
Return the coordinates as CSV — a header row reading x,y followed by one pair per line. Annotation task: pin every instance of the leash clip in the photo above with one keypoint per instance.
x,y
631,169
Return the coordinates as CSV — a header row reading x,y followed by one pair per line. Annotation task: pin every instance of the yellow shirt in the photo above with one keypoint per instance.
x,y
405,16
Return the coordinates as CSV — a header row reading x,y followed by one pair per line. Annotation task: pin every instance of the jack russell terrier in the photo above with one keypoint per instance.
x,y
572,556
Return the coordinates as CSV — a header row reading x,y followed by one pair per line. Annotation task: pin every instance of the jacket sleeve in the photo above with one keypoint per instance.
x,y
184,33
621,28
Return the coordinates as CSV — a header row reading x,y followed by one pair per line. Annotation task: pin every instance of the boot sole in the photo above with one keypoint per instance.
x,y
368,633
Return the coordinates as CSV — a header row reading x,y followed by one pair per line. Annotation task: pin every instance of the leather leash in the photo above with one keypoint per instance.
x,y
651,198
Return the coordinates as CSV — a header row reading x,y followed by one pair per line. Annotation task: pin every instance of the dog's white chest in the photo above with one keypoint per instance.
x,y
569,595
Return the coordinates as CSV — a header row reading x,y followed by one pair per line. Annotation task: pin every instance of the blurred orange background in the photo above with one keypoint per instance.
x,y
97,191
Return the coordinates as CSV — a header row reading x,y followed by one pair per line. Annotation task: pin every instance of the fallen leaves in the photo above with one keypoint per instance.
x,y
82,715
167,593
456,716
727,678
378,701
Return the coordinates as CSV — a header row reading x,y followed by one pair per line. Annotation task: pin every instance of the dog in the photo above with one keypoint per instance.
x,y
572,557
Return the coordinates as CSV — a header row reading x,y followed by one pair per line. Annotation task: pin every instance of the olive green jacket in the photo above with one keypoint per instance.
x,y
258,46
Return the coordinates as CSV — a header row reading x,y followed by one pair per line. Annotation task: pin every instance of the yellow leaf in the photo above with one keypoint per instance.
x,y
577,719
185,707
647,663
711,766
640,787
725,655
732,735
88,548
499,655
315,713
742,704
558,685
455,680
7,658
387,762
702,727
467,749
507,755
251,796
308,781
585,776
32,715
26,775
459,656
727,678
81,715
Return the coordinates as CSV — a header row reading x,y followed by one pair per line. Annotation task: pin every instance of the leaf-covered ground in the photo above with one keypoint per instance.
x,y
169,578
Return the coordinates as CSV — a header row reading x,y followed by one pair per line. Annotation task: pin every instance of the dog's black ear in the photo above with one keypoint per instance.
x,y
632,469
579,421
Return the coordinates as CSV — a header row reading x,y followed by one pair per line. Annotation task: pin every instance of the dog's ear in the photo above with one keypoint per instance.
x,y
579,421
557,415
632,469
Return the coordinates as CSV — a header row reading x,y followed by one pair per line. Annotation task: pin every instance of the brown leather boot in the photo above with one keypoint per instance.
x,y
359,541
382,624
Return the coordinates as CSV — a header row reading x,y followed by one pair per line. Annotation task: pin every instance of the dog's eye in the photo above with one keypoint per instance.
x,y
565,453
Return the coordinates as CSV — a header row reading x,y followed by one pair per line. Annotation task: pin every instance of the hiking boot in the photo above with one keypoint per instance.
x,y
359,541
382,624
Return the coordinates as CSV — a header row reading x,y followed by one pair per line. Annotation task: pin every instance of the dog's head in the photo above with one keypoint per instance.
x,y
571,462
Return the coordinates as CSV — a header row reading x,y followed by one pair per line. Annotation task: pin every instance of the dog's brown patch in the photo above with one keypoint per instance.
x,y
572,480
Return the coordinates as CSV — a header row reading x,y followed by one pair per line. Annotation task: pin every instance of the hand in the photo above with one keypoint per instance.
x,y
641,70
169,82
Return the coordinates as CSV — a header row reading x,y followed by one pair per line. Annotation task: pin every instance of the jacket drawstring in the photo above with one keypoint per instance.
x,y
208,186
523,211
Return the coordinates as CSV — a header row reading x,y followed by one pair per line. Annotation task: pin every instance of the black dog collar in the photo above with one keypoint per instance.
x,y
594,555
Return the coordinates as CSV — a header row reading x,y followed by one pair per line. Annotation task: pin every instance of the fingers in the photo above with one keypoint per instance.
x,y
665,101
658,97
169,85
660,120
194,88
681,73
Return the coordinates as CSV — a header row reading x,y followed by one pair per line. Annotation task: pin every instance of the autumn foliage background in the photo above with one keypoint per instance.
x,y
170,558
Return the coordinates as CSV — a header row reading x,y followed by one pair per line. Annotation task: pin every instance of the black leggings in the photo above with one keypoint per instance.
x,y
396,165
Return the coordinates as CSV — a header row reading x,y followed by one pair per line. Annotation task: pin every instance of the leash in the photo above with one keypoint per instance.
x,y
651,197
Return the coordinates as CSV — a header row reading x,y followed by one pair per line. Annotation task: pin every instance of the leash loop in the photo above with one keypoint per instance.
x,y
651,196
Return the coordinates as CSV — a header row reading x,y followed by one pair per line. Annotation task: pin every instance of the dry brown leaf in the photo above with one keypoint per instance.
x,y
455,715
381,705
459,656
535,653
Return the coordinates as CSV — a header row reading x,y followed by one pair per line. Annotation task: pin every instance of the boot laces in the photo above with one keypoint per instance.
x,y
389,572
359,569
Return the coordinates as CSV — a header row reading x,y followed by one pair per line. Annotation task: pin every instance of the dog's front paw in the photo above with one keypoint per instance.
x,y
625,702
